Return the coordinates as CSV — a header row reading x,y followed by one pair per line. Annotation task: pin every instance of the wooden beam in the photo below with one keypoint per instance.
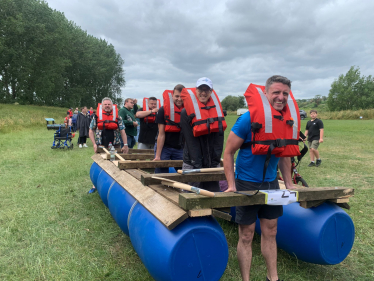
x,y
222,215
167,192
146,151
165,211
200,213
136,173
197,177
149,164
137,156
194,201
311,204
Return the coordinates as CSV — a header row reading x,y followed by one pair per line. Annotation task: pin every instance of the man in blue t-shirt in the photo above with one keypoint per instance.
x,y
249,176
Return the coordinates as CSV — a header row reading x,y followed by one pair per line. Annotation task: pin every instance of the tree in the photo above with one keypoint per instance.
x,y
232,103
351,91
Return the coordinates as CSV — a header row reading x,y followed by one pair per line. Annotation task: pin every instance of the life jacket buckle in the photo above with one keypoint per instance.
x,y
210,120
290,122
280,142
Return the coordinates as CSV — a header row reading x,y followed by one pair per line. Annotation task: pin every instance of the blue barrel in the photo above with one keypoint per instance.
x,y
119,204
320,235
195,250
104,182
94,173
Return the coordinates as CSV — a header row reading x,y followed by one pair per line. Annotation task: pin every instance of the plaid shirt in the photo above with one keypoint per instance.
x,y
117,134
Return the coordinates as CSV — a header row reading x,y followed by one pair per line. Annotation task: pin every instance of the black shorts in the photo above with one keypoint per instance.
x,y
248,214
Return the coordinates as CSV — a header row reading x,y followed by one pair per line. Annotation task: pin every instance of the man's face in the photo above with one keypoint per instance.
x,y
129,104
152,104
177,99
84,110
107,106
313,115
277,95
203,93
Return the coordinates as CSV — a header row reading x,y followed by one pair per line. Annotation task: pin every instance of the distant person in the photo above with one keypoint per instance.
x,y
169,145
83,125
74,120
68,121
314,132
91,111
70,112
129,120
148,126
107,126
135,110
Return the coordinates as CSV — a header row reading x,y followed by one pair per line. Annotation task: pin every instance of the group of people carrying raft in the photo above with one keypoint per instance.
x,y
190,126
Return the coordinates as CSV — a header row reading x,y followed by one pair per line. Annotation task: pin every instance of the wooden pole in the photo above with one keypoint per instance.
x,y
185,187
203,170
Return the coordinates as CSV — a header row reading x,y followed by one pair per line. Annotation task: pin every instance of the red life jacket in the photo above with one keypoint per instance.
x,y
206,118
105,120
152,117
70,113
273,132
172,113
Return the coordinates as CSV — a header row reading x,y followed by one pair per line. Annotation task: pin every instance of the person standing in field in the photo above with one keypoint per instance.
x,y
203,125
83,125
148,125
314,132
74,120
169,145
270,125
129,120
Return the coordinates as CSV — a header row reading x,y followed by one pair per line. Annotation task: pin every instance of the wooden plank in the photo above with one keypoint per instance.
x,y
136,173
339,200
167,192
101,150
165,211
200,213
311,204
197,177
222,215
344,205
149,164
146,151
194,201
136,156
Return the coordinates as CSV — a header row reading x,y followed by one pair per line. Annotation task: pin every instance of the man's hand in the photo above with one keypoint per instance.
x,y
135,124
321,140
291,186
231,189
157,158
155,110
125,149
135,101
95,147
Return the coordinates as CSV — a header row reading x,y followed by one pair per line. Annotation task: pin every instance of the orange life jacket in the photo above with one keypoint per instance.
x,y
273,132
172,113
152,117
105,120
206,118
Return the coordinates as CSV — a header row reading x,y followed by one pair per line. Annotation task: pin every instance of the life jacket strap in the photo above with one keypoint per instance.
x,y
172,123
209,121
208,107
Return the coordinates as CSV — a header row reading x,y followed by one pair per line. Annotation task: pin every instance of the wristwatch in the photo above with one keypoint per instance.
x,y
125,144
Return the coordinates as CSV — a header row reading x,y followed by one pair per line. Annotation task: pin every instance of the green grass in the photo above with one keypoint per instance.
x,y
51,229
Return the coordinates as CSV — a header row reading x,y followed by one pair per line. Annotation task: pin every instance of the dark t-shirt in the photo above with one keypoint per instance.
x,y
171,139
148,131
313,128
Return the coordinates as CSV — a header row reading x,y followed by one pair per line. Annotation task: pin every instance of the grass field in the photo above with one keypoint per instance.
x,y
51,229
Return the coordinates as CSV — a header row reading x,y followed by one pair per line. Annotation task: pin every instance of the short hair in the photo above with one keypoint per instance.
x,y
179,88
152,98
126,100
106,98
313,110
277,79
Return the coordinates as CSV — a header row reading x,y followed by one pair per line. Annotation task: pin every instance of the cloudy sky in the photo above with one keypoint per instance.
x,y
233,42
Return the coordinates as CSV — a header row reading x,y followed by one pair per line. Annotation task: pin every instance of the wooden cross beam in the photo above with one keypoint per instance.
x,y
189,201
122,165
198,177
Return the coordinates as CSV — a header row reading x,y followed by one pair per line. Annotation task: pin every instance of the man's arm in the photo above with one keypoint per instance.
x,y
285,167
306,134
125,148
233,143
321,135
160,141
142,114
91,134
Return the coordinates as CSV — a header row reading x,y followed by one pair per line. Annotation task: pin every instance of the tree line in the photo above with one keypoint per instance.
x,y
45,59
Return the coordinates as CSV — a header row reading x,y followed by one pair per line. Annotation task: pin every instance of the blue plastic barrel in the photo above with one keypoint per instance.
x,y
104,182
94,173
119,204
195,250
320,235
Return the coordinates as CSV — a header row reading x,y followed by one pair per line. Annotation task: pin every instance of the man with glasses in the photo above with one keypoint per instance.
x,y
129,121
